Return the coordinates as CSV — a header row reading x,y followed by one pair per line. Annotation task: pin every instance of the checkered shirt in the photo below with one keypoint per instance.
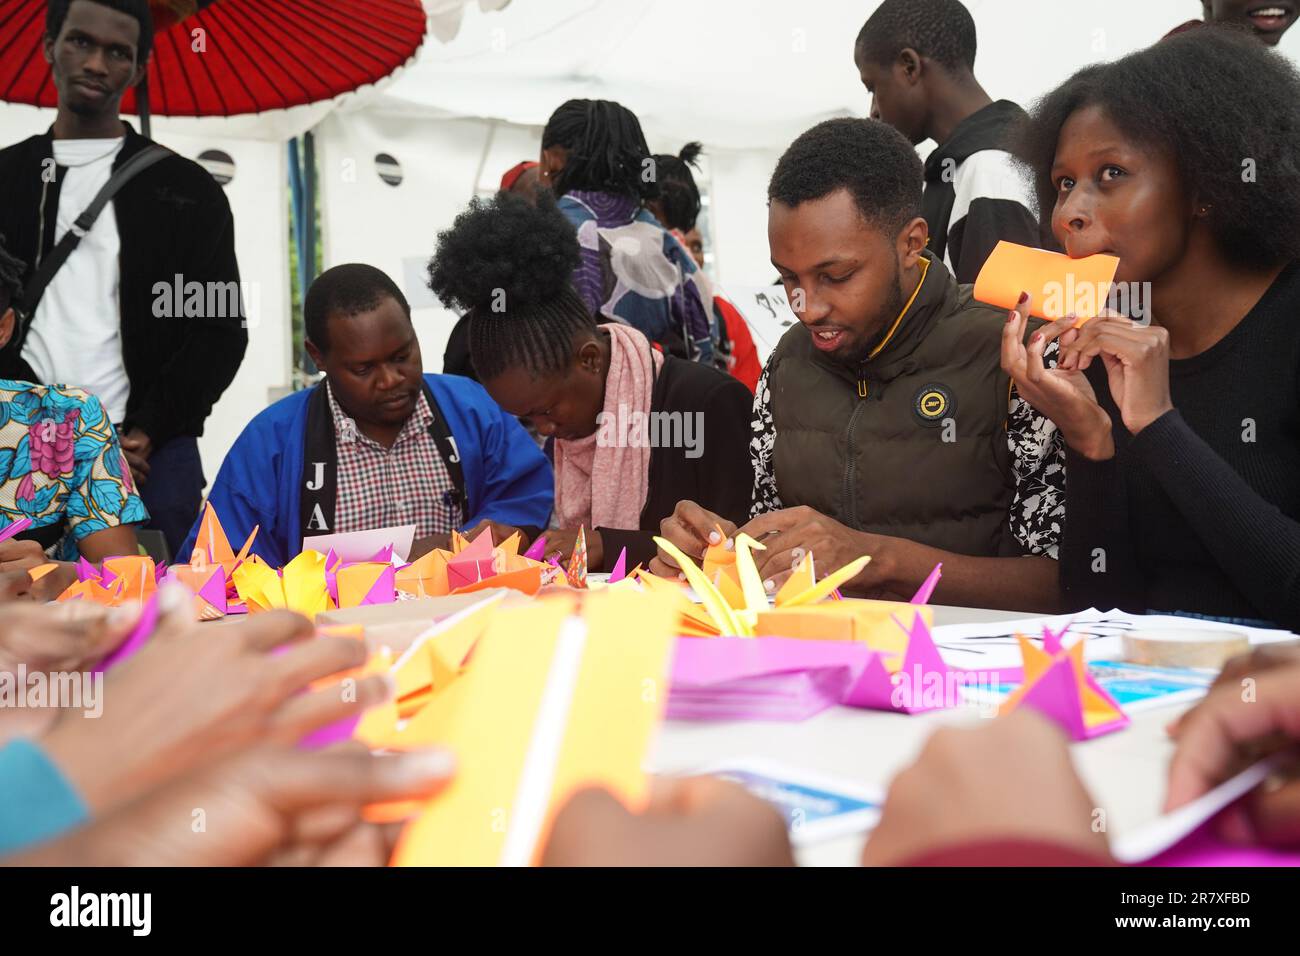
x,y
382,487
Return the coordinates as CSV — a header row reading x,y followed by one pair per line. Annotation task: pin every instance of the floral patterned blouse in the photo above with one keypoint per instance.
x,y
60,459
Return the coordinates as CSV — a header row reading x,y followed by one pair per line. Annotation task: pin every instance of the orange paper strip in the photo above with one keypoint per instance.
x,y
1059,285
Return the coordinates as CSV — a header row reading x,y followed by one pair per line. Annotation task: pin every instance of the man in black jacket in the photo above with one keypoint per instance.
x,y
917,59
146,312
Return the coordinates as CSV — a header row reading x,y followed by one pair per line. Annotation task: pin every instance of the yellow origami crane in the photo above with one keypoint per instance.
x,y
300,587
731,606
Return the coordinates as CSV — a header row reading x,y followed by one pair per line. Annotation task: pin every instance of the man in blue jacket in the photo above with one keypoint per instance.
x,y
377,444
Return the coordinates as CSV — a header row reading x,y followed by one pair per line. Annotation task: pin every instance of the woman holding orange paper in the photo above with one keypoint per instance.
x,y
1183,434
635,430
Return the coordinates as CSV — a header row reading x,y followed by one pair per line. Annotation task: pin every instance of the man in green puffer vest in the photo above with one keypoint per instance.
x,y
883,422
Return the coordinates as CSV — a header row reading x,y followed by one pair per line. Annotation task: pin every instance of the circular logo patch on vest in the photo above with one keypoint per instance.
x,y
933,403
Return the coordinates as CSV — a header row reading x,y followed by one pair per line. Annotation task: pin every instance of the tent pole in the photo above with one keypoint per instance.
x,y
304,361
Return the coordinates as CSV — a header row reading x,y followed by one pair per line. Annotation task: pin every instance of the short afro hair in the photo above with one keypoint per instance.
x,y
870,159
1220,104
346,291
57,11
508,264
940,30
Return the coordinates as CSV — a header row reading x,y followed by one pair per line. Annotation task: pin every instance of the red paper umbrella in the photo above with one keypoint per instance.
x,y
228,57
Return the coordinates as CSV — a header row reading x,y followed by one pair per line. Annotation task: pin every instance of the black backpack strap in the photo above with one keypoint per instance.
x,y
446,442
318,492
51,264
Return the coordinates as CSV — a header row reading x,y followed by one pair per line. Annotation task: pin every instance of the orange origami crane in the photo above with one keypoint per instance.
x,y
214,544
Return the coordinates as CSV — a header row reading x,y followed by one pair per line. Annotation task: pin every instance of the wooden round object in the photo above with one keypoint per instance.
x,y
1203,649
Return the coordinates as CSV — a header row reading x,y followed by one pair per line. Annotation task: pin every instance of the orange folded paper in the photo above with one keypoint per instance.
x,y
41,570
212,541
1059,286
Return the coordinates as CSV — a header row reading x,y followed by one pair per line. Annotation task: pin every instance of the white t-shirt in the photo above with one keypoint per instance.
x,y
76,334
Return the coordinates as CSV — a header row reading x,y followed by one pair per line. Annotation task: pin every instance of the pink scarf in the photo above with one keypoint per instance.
x,y
601,481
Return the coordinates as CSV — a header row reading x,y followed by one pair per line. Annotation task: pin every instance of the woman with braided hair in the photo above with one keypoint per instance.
x,y
634,430
631,269
678,208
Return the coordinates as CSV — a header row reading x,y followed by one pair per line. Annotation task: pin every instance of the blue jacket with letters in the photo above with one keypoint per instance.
x,y
506,477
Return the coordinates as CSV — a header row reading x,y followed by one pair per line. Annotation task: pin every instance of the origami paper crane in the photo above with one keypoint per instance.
x,y
426,576
737,614
299,587
136,572
790,678
365,583
474,562
117,581
620,568
576,572
208,585
214,544
1058,685
91,589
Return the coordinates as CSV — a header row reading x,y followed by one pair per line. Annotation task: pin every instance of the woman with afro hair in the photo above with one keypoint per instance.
x,y
1183,427
634,430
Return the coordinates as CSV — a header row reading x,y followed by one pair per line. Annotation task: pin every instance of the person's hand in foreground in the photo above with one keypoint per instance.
x,y
269,805
195,692
61,637
693,821
1252,711
1007,779
560,543
692,529
53,640
19,557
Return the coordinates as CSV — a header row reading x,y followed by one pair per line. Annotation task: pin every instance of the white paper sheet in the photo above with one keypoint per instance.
x,y
989,646
363,545
1163,832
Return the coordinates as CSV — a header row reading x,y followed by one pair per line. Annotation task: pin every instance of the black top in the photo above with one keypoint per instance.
x,y
175,227
455,359
719,478
1201,511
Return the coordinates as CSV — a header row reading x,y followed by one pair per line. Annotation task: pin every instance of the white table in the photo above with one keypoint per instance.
x,y
1124,771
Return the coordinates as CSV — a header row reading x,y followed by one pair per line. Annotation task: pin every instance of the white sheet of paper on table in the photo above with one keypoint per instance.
x,y
989,646
1163,832
363,545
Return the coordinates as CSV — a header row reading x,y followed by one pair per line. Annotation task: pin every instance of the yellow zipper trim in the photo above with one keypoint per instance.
x,y
925,267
